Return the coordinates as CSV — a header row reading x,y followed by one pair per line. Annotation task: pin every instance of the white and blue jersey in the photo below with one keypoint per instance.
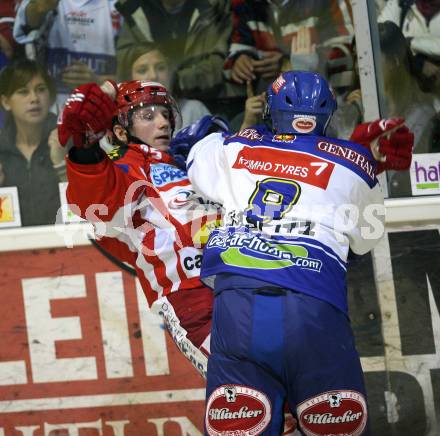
x,y
294,206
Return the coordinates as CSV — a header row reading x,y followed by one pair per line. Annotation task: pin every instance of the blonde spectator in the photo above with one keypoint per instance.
x,y
148,62
193,35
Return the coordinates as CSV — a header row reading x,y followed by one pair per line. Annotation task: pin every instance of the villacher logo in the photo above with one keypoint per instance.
x,y
335,413
235,409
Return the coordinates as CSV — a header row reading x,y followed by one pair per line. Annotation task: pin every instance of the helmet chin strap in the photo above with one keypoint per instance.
x,y
134,139
268,124
279,3
131,138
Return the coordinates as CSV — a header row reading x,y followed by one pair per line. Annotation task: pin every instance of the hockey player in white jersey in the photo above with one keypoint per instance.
x,y
296,202
85,112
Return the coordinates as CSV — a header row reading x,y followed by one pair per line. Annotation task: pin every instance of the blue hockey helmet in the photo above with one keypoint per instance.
x,y
300,102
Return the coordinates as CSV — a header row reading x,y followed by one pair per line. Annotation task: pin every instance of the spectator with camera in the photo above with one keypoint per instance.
x,y
271,36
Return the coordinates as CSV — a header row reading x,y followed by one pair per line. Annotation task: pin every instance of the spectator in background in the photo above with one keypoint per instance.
x,y
75,39
271,36
148,62
404,99
342,72
193,35
403,95
340,68
26,92
8,47
419,21
7,43
253,110
380,5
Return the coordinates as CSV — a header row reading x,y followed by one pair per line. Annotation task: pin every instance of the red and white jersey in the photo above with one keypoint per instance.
x,y
145,212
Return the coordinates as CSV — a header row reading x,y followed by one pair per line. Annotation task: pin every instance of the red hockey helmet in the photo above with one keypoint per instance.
x,y
137,93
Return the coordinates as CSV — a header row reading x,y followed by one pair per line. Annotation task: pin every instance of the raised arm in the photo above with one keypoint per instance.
x,y
37,10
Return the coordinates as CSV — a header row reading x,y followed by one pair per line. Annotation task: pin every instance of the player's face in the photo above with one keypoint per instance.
x,y
30,103
151,66
152,125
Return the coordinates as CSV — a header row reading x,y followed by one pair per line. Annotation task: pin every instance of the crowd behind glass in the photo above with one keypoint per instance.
x,y
216,56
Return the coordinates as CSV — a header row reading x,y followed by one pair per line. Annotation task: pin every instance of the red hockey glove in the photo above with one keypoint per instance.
x,y
390,141
87,115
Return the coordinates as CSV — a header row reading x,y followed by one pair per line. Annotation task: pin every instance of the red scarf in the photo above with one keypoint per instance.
x,y
428,8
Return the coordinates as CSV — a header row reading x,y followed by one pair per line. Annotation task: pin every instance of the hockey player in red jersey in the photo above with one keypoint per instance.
x,y
141,203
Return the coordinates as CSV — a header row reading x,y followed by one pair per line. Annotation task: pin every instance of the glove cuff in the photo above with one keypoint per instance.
x,y
91,155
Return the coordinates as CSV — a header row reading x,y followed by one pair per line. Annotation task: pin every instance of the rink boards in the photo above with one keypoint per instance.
x,y
81,355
